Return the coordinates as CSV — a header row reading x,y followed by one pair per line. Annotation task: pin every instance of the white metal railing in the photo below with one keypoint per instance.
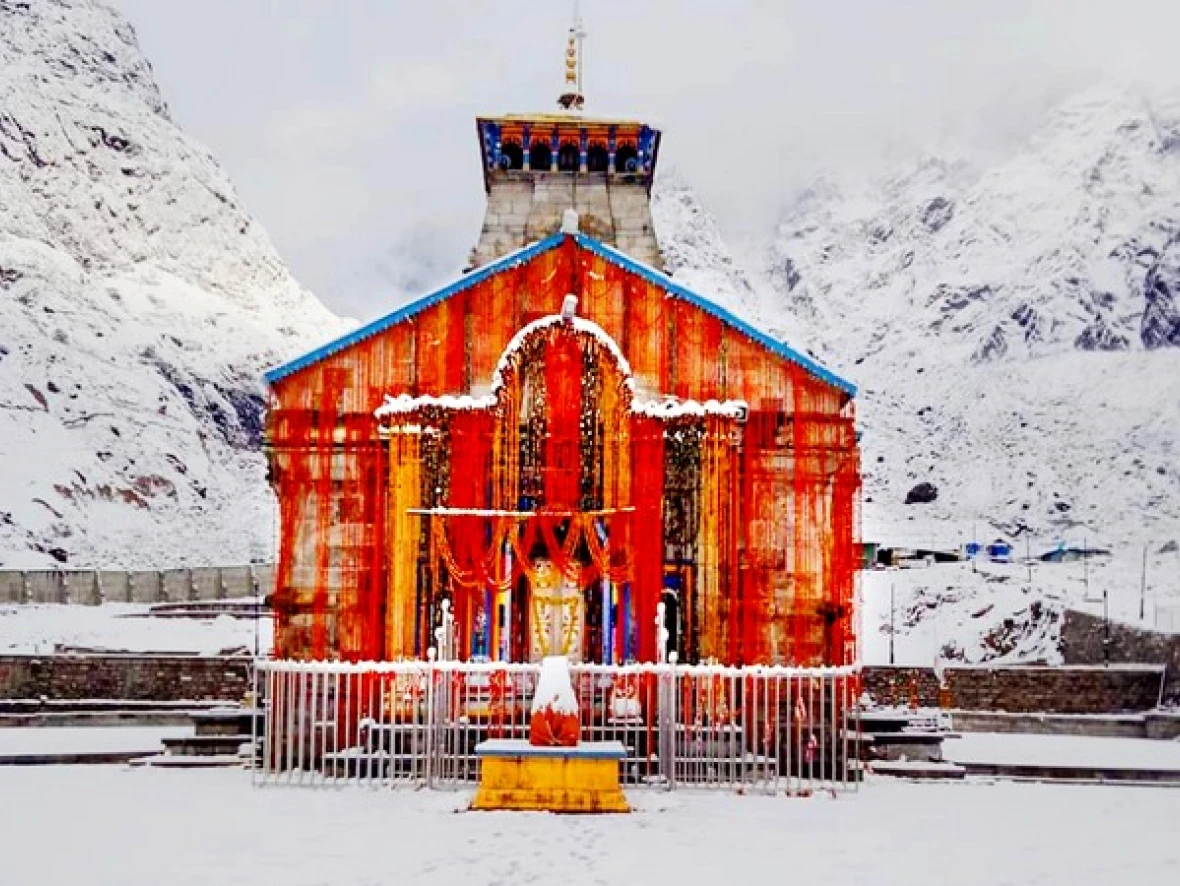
x,y
1167,617
416,723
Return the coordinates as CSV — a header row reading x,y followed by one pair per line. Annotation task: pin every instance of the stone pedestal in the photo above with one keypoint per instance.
x,y
516,775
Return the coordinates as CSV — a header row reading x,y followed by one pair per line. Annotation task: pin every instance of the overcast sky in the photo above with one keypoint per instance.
x,y
347,125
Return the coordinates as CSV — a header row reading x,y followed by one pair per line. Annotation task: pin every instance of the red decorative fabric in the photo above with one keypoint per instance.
x,y
647,527
563,391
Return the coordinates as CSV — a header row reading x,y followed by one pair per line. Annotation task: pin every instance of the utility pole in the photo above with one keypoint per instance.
x,y
1028,559
1086,567
1105,626
1143,585
975,541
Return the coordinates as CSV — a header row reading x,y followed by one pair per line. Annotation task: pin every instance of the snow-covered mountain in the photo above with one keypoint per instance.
x,y
696,254
1012,327
1016,333
139,303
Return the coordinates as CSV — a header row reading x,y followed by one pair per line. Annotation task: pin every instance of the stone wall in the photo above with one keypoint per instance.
x,y
1057,690
1083,640
132,677
91,587
524,207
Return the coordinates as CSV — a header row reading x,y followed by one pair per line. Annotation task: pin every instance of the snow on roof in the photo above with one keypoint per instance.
x,y
581,324
526,254
673,408
666,409
403,404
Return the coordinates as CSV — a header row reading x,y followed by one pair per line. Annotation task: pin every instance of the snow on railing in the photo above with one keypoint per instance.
x,y
416,723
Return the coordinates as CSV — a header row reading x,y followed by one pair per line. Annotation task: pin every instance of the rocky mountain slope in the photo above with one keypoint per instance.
x,y
139,303
1014,331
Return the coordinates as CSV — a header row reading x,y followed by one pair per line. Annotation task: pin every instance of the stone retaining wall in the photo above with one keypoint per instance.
x,y
1083,641
90,587
1057,690
134,677
1064,690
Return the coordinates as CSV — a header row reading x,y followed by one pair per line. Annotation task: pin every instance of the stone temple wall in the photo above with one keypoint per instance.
x,y
524,207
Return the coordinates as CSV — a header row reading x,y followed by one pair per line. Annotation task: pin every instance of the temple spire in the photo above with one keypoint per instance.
x,y
572,97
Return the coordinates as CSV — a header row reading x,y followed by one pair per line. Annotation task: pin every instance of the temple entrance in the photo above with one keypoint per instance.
x,y
527,524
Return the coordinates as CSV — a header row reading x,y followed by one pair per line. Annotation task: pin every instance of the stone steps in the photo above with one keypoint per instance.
x,y
1075,774
229,721
101,705
205,745
72,758
1151,724
920,770
173,761
96,718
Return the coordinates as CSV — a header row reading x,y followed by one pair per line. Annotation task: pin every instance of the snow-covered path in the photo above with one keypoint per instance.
x,y
125,627
110,825
84,739
1063,750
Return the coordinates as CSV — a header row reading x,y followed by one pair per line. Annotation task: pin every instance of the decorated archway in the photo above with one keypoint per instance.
x,y
515,507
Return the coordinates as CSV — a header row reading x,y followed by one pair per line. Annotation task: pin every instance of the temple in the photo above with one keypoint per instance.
x,y
532,459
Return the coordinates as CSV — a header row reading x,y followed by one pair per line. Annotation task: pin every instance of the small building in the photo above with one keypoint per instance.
x,y
530,460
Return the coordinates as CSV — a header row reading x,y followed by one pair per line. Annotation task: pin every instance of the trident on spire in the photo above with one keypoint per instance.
x,y
573,98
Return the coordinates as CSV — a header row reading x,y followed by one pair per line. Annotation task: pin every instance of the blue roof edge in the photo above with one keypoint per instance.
x,y
374,327
531,251
664,281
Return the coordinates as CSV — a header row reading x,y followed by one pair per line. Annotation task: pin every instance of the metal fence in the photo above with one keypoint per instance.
x,y
1167,617
415,723
90,587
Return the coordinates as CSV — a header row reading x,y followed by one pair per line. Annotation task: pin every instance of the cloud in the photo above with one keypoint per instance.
x,y
348,126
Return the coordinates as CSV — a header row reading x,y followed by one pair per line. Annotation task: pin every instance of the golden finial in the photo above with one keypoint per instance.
x,y
572,98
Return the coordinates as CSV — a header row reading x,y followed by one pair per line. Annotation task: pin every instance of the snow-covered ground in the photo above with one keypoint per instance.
x,y
86,739
1063,750
144,827
126,627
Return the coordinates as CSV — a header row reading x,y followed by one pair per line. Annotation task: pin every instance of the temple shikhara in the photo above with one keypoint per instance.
x,y
531,460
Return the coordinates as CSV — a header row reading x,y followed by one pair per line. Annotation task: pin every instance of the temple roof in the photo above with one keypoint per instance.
x,y
559,118
527,254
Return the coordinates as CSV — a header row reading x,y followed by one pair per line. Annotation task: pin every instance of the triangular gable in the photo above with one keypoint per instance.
x,y
511,260
673,288
526,254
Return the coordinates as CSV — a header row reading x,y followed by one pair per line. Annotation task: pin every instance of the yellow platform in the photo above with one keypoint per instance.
x,y
515,775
